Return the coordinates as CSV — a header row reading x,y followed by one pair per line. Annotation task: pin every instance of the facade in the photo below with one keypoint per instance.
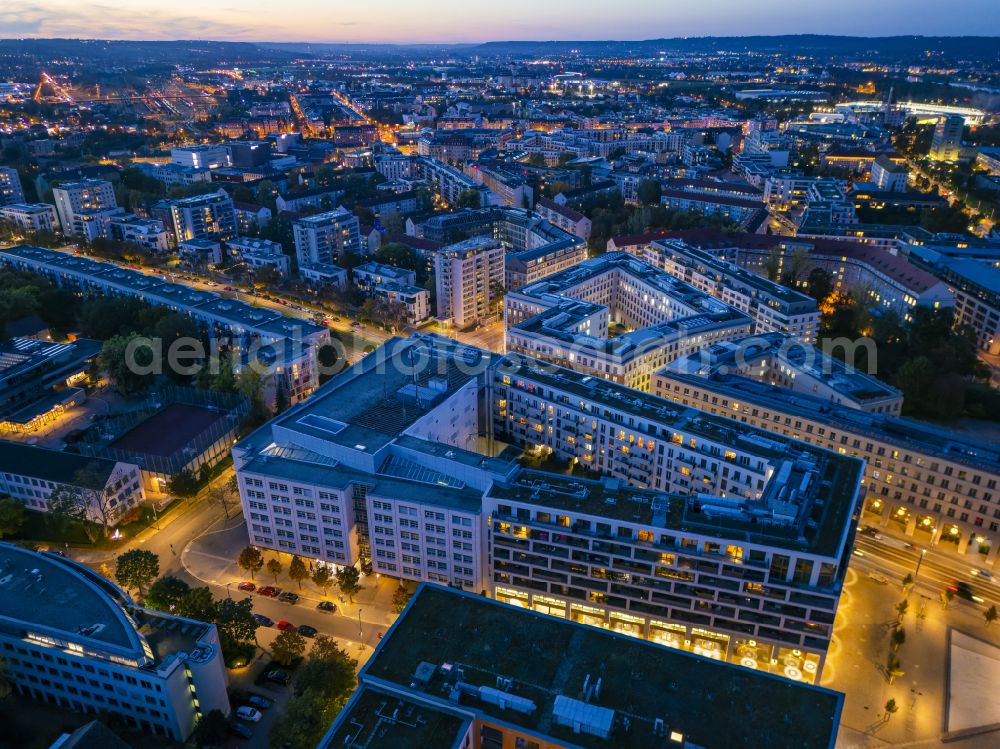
x,y
450,183
199,157
11,191
408,459
209,216
565,218
31,474
200,251
85,207
32,217
324,274
395,286
458,670
148,233
467,275
567,319
946,145
889,175
71,638
735,209
772,306
259,253
326,237
926,482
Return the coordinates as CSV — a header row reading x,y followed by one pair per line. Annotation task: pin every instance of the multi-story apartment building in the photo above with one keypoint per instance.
x,y
735,209
148,233
565,218
923,481
396,286
70,637
33,217
785,362
30,474
288,345
85,207
450,183
326,237
946,145
259,253
510,185
772,306
210,216
890,175
467,277
565,318
458,670
407,459
10,186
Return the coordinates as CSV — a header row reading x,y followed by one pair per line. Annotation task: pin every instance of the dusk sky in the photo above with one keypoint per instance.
x,y
474,21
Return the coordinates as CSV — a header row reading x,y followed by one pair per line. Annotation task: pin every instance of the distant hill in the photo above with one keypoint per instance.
x,y
190,52
979,48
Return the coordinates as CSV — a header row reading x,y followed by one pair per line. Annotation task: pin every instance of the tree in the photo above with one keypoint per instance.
x,y
400,598
211,730
167,593
891,708
12,516
198,604
235,622
348,580
898,638
819,284
274,567
137,568
302,723
328,670
183,483
649,191
947,597
222,495
901,609
323,579
772,266
468,198
86,500
297,570
907,581
288,647
893,668
251,560
991,615
128,363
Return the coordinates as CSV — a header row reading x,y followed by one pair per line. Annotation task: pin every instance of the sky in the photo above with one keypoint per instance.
x,y
487,20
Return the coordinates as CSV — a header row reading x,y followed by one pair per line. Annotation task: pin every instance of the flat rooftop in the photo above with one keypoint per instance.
x,y
446,637
376,719
168,430
47,591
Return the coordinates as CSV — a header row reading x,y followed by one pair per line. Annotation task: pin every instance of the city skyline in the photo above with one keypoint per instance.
x,y
450,21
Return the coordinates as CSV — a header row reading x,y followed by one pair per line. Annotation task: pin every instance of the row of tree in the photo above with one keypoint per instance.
x,y
347,579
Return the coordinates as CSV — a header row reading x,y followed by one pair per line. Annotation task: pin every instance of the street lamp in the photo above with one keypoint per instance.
x,y
361,634
920,560
230,595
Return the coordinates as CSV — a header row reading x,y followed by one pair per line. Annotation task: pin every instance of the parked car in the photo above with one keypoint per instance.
x,y
880,579
277,676
288,597
248,713
284,626
269,591
263,621
328,606
261,703
306,631
247,586
241,729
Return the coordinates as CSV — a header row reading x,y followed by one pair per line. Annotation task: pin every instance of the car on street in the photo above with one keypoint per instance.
x,y
964,590
269,591
288,597
880,579
306,631
247,586
284,626
241,729
261,703
263,621
328,606
248,713
984,574
277,676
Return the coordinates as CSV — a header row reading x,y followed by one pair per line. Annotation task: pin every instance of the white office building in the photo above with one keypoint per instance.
x,y
326,237
467,275
86,207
